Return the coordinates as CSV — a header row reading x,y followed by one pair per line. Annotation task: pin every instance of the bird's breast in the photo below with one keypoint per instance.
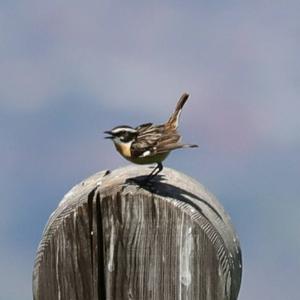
x,y
124,149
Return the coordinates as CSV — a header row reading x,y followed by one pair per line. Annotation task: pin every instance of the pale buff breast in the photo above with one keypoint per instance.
x,y
124,149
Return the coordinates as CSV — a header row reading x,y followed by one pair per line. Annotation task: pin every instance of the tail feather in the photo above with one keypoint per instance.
x,y
173,120
171,147
190,146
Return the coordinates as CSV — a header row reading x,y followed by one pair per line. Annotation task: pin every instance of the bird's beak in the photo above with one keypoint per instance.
x,y
110,136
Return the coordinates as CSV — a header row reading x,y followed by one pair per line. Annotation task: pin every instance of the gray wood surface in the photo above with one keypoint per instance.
x,y
112,237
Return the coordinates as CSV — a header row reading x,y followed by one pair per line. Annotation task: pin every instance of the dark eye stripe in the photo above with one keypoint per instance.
x,y
120,133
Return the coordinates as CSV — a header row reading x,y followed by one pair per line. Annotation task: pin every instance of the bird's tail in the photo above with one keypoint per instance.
x,y
171,147
173,120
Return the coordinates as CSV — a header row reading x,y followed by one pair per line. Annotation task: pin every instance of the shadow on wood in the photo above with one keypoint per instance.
x,y
113,237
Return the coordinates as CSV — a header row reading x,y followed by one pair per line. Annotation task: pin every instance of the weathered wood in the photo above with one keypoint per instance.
x,y
114,238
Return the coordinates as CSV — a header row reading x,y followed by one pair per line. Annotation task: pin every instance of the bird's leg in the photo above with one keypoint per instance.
x,y
152,172
159,168
155,171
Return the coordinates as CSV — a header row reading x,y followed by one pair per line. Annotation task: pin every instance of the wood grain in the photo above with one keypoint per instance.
x,y
113,237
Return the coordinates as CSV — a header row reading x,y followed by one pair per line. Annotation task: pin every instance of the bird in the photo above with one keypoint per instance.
x,y
149,143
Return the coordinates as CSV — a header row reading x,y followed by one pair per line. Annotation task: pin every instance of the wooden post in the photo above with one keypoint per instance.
x,y
112,237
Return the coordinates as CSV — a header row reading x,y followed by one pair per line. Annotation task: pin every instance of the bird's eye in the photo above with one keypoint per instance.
x,y
126,136
120,133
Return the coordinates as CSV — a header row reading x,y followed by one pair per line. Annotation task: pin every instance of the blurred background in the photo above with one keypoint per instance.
x,y
72,69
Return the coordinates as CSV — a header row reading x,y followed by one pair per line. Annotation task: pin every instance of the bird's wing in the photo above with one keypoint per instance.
x,y
146,140
144,127
153,139
169,141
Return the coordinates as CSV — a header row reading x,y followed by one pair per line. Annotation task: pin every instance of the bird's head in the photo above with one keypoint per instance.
x,y
121,134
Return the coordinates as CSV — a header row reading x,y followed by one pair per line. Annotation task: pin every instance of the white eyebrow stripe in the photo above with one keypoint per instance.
x,y
123,129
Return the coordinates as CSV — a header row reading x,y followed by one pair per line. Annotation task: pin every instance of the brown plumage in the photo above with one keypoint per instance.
x,y
160,138
173,120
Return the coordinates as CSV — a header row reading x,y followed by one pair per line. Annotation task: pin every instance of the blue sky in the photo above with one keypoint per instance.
x,y
72,69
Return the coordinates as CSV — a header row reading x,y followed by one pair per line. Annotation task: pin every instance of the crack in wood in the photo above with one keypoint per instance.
x,y
91,231
101,252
